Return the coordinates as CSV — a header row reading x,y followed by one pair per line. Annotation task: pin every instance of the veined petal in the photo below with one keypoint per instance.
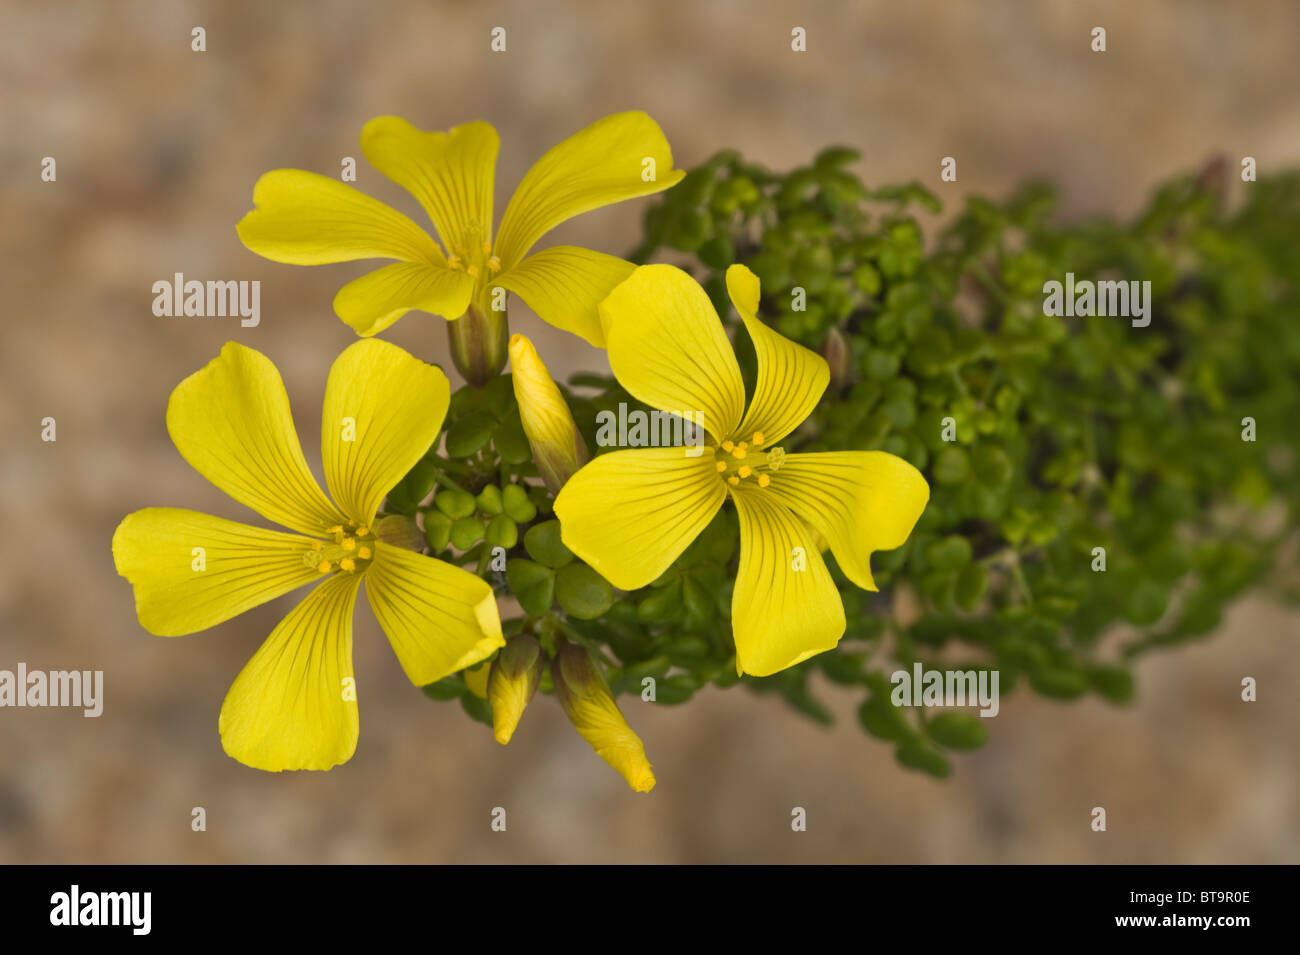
x,y
565,284
294,705
383,409
785,607
667,347
373,302
231,422
450,173
307,219
791,378
630,514
439,618
861,501
191,571
597,166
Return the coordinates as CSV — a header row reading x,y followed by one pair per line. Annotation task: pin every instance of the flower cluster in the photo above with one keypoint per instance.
x,y
509,505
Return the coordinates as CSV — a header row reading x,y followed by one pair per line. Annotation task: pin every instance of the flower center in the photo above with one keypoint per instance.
x,y
741,461
351,552
473,253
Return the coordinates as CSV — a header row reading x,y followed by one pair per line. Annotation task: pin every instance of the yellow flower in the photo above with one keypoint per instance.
x,y
308,219
585,697
630,514
558,448
294,705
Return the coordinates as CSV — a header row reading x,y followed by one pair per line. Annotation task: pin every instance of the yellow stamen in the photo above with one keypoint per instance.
x,y
733,480
722,466
472,270
453,262
362,531
758,437
364,553
744,471
323,566
764,480
741,450
727,446
348,564
494,264
487,248
349,543
336,529
316,545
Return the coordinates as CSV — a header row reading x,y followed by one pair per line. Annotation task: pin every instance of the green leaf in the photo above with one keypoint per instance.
x,y
511,442
972,583
958,730
950,553
542,541
455,503
532,584
448,688
419,481
582,592
922,757
1113,682
951,466
468,434
514,498
437,529
478,708
489,500
466,532
502,532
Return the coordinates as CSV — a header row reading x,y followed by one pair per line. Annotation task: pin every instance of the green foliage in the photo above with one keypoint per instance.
x,y
1068,434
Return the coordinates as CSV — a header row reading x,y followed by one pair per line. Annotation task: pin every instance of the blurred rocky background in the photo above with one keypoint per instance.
x,y
157,150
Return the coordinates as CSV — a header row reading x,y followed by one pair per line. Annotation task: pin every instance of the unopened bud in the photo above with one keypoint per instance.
x,y
515,675
400,531
838,355
558,448
584,694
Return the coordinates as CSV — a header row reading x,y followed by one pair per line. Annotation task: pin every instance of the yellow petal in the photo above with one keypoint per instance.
x,y
565,284
383,409
630,514
440,619
294,705
791,378
191,571
476,678
450,174
585,697
597,166
862,501
231,422
667,347
307,219
785,607
373,302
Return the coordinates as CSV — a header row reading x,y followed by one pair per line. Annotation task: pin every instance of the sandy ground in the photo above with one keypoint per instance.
x,y
157,150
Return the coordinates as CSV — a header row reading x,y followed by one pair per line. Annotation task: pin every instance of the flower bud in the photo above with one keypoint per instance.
x,y
515,675
558,448
400,531
584,694
835,349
